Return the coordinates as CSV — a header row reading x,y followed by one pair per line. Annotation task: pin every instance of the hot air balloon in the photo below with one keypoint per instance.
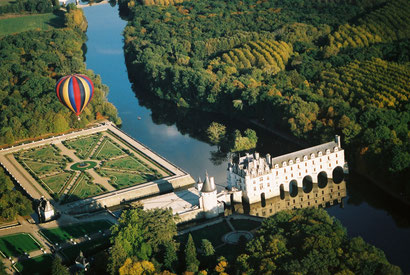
x,y
75,92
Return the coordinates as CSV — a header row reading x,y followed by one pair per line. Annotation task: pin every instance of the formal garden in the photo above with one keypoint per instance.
x,y
87,166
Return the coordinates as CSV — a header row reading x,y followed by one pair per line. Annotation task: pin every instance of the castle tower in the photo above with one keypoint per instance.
x,y
208,201
199,184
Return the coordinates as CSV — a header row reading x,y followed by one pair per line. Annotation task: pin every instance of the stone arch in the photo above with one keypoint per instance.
x,y
338,174
282,191
293,188
322,179
307,184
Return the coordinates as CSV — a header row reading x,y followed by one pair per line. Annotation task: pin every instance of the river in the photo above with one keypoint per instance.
x,y
367,212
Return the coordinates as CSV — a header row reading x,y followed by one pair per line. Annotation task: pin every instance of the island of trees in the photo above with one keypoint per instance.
x,y
313,68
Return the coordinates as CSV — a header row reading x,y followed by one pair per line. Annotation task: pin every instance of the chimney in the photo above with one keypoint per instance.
x,y
337,140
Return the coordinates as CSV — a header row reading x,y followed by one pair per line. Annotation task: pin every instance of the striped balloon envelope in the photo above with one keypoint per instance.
x,y
75,92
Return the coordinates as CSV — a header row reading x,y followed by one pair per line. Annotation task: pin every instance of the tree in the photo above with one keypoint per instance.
x,y
141,234
131,267
60,124
216,132
170,256
57,268
191,261
309,241
207,248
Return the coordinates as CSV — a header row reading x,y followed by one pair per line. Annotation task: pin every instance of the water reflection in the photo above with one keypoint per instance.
x,y
327,196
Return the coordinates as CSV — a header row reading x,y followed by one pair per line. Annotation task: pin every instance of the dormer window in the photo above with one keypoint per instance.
x,y
297,160
320,154
276,165
284,163
290,162
335,149
312,156
305,158
327,151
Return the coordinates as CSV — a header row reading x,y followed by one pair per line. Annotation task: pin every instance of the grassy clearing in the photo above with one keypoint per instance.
x,y
121,180
83,146
64,233
88,248
245,224
44,153
19,24
35,266
18,244
212,233
57,182
85,188
108,150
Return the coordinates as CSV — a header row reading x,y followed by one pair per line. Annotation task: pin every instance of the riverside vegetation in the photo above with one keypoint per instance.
x,y
314,68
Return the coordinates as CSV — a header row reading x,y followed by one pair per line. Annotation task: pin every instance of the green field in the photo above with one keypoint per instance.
x,y
122,180
212,233
88,248
57,182
16,245
43,168
64,233
83,146
84,188
108,150
35,266
46,21
245,224
44,153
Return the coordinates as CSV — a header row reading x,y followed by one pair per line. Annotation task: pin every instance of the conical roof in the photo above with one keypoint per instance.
x,y
209,185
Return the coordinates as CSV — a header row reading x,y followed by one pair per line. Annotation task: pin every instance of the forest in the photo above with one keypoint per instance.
x,y
313,68
32,62
303,241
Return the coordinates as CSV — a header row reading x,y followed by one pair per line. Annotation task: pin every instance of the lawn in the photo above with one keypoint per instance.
x,y
84,188
44,153
43,168
121,180
64,233
108,150
244,224
127,163
212,233
15,245
88,248
35,266
18,24
83,146
57,182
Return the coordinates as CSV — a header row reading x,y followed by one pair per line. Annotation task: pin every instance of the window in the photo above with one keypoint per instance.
x,y
261,179
261,187
276,173
254,189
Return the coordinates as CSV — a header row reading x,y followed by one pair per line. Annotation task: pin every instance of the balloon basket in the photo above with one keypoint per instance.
x,y
78,118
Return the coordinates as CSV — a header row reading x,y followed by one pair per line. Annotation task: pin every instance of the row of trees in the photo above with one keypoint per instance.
x,y
30,6
270,56
32,62
388,23
12,202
